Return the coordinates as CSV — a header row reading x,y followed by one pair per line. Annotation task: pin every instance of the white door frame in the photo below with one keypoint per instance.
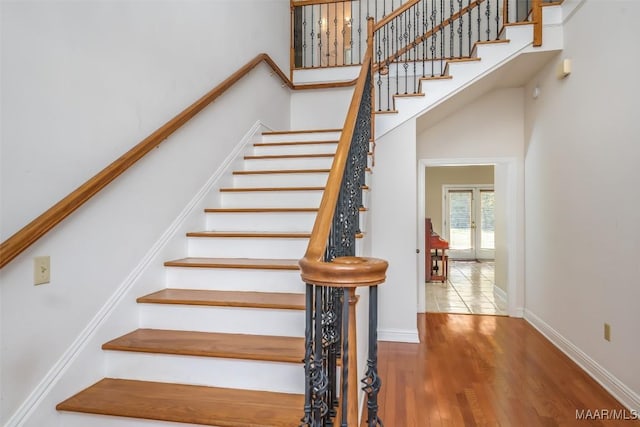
x,y
476,189
514,197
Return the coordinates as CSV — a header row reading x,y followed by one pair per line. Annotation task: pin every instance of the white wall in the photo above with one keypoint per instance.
x,y
82,82
582,198
320,108
490,130
394,231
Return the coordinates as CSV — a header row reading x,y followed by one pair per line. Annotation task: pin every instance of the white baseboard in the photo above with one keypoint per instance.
x,y
63,364
606,379
399,335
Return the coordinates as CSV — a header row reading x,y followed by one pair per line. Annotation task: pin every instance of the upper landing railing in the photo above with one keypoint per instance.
x,y
332,33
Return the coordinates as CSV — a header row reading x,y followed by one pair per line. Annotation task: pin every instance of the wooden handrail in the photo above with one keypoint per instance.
x,y
381,23
29,234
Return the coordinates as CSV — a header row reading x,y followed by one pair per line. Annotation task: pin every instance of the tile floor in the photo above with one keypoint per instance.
x,y
469,290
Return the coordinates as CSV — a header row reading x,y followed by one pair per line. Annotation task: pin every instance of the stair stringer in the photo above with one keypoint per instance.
x,y
465,74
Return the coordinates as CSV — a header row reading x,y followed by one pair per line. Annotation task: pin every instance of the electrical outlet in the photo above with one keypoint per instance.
x,y
607,332
41,270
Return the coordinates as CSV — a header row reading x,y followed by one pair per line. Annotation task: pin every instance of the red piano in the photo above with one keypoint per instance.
x,y
436,258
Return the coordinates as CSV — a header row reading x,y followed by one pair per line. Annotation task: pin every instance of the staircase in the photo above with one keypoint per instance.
x,y
414,93
222,342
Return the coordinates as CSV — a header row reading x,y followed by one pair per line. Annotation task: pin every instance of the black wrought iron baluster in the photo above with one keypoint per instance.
x,y
451,30
320,35
479,22
497,19
372,382
313,35
434,37
389,65
469,30
345,359
416,45
327,25
442,41
306,420
382,47
487,13
344,33
399,59
360,30
335,36
460,29
424,39
407,55
319,378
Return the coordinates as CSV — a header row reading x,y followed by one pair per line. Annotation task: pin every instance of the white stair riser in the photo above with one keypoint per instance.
x,y
236,320
295,137
235,279
76,419
207,371
246,247
288,163
307,148
271,199
281,180
263,221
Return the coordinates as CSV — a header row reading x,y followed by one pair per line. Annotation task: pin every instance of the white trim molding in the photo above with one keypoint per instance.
x,y
399,335
606,379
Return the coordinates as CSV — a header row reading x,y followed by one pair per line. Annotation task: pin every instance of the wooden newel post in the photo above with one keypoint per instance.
x,y
536,16
348,273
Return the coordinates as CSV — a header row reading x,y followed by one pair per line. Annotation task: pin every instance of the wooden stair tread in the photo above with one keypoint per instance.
x,y
289,156
275,300
213,406
257,234
446,77
211,344
259,210
276,171
493,41
469,59
285,143
247,263
229,190
288,132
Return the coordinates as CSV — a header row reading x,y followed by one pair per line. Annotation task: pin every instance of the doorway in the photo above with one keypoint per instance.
x,y
469,221
508,250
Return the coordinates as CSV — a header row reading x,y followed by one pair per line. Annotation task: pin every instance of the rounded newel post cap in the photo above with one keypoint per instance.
x,y
344,272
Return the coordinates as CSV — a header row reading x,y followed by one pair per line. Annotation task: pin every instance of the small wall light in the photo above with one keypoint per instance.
x,y
564,68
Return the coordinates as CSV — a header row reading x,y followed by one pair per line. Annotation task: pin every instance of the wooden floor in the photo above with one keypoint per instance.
x,y
485,371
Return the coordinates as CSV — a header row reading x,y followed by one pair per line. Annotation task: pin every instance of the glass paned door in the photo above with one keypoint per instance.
x,y
460,223
486,230
469,222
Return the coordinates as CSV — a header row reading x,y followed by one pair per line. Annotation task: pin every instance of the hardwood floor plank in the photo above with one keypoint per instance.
x,y
485,371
